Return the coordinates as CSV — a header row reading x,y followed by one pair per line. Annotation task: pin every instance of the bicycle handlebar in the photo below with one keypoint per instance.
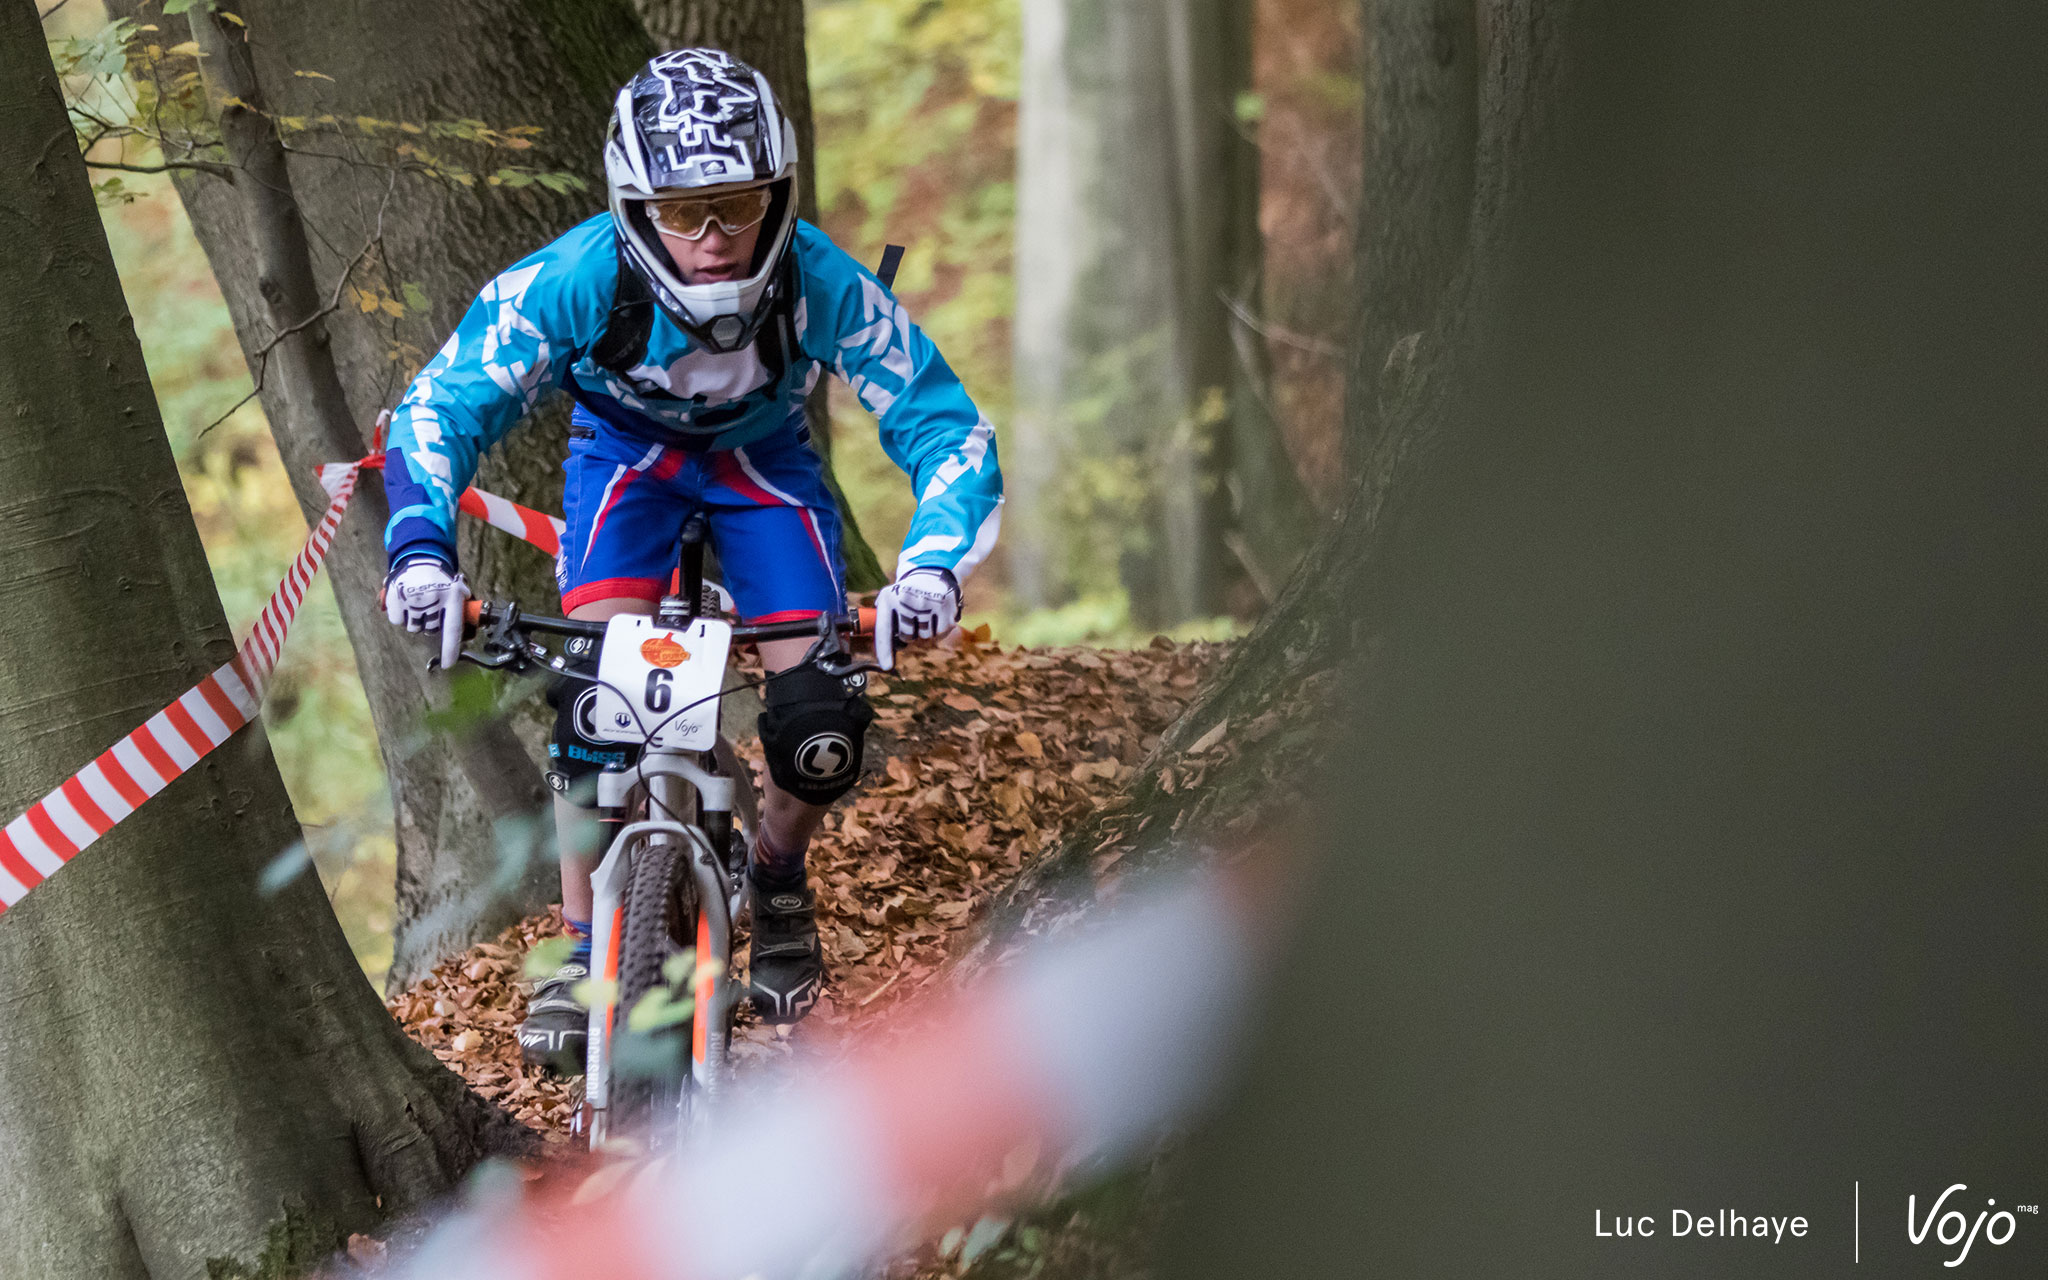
x,y
479,613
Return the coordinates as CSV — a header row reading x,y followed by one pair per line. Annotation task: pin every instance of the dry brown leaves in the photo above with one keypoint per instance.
x,y
980,759
467,1011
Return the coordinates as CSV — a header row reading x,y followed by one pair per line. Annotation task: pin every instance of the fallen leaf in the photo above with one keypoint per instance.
x,y
1211,738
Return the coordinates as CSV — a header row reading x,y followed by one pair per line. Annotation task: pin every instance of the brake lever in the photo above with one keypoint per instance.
x,y
851,666
494,659
829,654
499,647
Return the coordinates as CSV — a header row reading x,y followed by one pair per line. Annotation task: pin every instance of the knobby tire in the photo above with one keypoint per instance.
x,y
660,921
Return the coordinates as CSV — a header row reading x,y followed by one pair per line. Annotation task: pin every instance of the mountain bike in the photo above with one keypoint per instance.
x,y
674,874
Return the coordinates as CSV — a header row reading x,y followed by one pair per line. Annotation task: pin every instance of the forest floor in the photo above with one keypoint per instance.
x,y
980,759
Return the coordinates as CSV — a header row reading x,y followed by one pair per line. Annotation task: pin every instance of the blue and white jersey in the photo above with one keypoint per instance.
x,y
533,327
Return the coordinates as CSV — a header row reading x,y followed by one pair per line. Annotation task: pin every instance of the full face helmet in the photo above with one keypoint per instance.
x,y
696,119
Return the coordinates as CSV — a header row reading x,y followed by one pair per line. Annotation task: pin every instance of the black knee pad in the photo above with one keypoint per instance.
x,y
812,732
575,755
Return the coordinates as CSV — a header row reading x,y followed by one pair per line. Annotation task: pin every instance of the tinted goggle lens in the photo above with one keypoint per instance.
x,y
691,216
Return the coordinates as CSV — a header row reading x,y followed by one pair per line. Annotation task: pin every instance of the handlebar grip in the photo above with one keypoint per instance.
x,y
473,613
864,621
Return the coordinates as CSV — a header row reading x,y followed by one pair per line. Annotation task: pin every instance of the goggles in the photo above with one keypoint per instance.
x,y
691,216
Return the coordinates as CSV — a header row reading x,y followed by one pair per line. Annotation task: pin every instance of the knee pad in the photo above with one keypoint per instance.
x,y
575,755
812,732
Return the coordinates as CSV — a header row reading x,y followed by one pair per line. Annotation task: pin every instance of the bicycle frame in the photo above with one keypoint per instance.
x,y
669,775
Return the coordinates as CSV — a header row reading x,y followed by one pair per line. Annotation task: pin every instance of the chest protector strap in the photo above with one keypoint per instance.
x,y
623,344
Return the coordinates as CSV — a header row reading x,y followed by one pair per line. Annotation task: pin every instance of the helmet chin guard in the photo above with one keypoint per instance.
x,y
694,119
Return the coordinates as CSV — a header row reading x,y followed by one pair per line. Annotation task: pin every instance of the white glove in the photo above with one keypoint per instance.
x,y
923,604
424,595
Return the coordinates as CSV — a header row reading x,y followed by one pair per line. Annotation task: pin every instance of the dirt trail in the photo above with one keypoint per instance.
x,y
980,758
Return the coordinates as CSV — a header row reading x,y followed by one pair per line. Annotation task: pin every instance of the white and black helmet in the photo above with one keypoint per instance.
x,y
694,119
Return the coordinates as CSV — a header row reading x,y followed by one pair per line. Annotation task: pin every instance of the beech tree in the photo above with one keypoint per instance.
x,y
345,253
1145,453
408,153
181,1057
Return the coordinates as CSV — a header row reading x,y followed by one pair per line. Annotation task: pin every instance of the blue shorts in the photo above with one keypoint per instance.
x,y
773,521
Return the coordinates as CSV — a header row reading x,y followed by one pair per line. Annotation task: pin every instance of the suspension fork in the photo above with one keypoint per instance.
x,y
669,777
711,986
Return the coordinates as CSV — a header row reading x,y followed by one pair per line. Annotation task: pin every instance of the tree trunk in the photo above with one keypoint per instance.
x,y
181,1058
1051,256
768,35
555,65
1137,231
1699,755
1415,218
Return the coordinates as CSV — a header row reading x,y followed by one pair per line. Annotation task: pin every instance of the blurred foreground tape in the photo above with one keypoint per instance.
x,y
1084,1049
96,798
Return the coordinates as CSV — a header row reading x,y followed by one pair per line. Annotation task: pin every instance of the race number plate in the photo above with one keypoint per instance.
x,y
659,684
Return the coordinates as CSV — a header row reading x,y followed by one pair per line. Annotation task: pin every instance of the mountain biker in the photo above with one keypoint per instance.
x,y
689,323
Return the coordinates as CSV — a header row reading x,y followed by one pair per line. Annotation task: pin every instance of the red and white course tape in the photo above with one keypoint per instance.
x,y
96,798
969,1096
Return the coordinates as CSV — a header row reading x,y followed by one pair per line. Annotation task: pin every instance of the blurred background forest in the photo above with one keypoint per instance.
x,y
939,123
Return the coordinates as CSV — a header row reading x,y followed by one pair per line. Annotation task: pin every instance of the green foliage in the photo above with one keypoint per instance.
x,y
115,191
548,955
658,1009
99,56
915,105
1105,1227
134,101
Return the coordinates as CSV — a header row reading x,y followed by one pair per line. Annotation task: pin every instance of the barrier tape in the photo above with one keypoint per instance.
x,y
98,797
523,523
963,1100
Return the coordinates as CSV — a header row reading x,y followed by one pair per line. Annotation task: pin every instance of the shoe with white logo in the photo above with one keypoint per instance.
x,y
786,966
557,1026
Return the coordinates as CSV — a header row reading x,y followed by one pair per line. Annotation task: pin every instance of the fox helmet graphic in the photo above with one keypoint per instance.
x,y
696,119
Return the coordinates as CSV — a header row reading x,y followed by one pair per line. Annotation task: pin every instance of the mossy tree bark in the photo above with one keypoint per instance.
x,y
551,65
180,1057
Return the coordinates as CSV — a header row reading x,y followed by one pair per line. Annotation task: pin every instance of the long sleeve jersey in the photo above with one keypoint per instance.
x,y
533,328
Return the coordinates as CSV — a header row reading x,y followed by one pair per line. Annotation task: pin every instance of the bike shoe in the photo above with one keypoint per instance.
x,y
557,1025
786,966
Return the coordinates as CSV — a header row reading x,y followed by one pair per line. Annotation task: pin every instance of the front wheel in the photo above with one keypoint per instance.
x,y
651,1043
